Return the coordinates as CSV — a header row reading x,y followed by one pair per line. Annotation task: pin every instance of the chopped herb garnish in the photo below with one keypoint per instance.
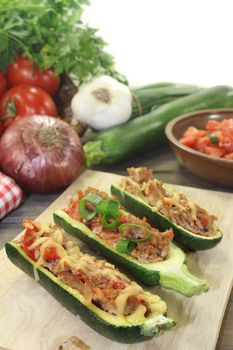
x,y
213,138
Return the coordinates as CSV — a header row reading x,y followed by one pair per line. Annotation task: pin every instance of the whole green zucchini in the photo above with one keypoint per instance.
x,y
106,324
148,97
171,273
141,135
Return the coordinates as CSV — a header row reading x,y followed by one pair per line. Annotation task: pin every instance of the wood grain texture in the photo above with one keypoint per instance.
x,y
37,321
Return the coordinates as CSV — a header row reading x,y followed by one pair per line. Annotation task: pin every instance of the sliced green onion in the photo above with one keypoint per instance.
x,y
110,211
122,227
125,246
86,213
109,207
213,138
93,198
110,225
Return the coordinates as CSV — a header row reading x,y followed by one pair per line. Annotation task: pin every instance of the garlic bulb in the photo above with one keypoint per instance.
x,y
102,103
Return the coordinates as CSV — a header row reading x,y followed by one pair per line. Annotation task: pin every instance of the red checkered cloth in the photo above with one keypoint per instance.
x,y
10,195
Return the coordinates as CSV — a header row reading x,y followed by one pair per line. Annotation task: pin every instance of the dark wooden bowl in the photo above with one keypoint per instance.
x,y
218,171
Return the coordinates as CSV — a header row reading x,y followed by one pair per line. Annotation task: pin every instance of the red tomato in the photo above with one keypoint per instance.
x,y
202,143
28,239
2,84
217,140
51,254
229,156
118,285
204,221
25,71
212,125
214,151
191,136
194,132
189,141
72,210
123,219
25,100
226,144
79,277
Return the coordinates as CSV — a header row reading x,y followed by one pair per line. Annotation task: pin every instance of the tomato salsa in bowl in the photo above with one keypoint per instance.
x,y
202,143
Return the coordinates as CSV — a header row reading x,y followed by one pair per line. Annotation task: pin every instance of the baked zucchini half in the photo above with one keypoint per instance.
x,y
139,207
111,326
171,273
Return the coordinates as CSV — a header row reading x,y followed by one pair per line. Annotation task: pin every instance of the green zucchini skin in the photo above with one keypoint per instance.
x,y
141,135
123,334
152,96
139,208
171,274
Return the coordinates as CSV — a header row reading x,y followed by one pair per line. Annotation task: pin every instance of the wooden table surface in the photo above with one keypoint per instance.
x,y
167,169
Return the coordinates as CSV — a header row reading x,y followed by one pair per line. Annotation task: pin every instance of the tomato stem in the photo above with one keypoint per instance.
x,y
11,110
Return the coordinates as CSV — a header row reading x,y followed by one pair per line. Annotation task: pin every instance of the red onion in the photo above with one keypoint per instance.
x,y
42,154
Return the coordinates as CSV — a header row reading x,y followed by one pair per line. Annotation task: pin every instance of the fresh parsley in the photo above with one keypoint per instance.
x,y
52,33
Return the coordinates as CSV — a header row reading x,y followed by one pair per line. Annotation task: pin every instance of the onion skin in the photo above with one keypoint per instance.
x,y
41,153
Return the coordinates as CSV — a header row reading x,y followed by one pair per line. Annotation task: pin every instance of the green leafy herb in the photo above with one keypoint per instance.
x,y
52,33
213,138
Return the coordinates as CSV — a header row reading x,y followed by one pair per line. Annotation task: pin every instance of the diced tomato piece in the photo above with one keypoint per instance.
x,y
212,125
202,143
51,254
79,277
226,144
229,156
204,221
169,235
118,285
194,132
123,219
214,151
216,140
189,141
227,126
191,136
80,195
73,211
29,238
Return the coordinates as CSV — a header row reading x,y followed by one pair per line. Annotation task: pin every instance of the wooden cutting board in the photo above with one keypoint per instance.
x,y
32,319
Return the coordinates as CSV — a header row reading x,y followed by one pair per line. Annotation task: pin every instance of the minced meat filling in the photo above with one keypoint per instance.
x,y
153,250
175,206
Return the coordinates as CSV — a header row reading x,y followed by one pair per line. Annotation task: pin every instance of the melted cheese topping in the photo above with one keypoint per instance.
x,y
121,300
72,257
193,208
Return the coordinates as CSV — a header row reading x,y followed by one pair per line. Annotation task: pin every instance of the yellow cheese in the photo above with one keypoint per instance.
x,y
77,261
38,242
138,316
121,300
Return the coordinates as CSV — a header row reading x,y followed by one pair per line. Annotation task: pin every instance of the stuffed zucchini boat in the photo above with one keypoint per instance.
x,y
143,195
98,220
106,300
